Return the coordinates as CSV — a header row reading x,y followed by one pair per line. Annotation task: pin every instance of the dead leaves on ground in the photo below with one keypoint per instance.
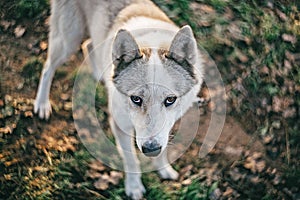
x,y
101,176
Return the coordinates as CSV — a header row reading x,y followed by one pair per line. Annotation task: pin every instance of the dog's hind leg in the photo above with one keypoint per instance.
x,y
165,170
134,187
66,32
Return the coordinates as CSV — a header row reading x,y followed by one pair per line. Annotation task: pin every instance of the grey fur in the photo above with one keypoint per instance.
x,y
129,64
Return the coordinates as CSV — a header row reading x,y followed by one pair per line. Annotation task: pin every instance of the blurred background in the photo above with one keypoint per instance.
x,y
255,45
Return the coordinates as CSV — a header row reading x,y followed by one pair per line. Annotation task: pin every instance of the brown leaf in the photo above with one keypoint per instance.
x,y
7,177
93,174
64,96
228,192
6,24
9,163
281,15
40,169
186,171
264,70
260,166
235,174
102,183
43,45
19,31
6,130
28,114
115,177
267,139
98,166
1,103
255,179
256,155
186,182
8,99
233,151
289,38
289,112
68,106
250,164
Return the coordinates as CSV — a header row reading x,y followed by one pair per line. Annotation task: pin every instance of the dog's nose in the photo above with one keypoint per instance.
x,y
151,148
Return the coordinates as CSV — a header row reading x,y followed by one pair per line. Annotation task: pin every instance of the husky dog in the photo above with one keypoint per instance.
x,y
151,69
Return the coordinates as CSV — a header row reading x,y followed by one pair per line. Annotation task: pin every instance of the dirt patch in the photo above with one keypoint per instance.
x,y
238,162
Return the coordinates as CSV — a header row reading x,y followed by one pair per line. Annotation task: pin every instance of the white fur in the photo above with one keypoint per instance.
x,y
67,26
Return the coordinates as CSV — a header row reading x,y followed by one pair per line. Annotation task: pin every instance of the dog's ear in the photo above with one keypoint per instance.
x,y
184,47
125,49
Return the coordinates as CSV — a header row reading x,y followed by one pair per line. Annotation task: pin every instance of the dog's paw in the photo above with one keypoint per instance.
x,y
168,173
134,187
43,109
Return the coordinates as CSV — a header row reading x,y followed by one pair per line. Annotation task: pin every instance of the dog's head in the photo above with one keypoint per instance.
x,y
158,84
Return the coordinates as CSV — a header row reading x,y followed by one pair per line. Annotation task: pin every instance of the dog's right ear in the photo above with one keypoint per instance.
x,y
125,50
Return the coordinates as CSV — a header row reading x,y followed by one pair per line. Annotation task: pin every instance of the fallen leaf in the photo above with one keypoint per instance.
x,y
6,130
115,177
96,165
102,183
281,15
28,114
255,179
64,96
68,106
186,182
289,38
43,45
93,174
256,155
233,151
40,169
6,24
235,174
19,31
8,99
289,112
7,177
260,166
267,139
228,192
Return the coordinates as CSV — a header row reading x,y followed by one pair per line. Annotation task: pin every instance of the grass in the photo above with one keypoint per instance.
x,y
20,9
31,70
65,177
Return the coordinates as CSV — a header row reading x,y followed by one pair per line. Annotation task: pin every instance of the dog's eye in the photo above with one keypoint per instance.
x,y
136,100
170,100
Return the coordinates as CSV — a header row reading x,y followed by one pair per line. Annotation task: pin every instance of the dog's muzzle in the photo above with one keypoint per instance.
x,y
151,148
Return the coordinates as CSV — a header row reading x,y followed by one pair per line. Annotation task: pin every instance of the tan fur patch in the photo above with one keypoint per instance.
x,y
146,52
142,8
162,53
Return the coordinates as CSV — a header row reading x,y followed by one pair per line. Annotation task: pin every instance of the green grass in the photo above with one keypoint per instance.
x,y
29,8
32,69
65,178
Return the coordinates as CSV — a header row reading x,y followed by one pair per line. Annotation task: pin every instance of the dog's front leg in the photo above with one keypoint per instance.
x,y
66,32
133,185
165,170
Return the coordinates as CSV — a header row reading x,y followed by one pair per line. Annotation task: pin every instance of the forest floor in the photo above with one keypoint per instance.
x,y
46,159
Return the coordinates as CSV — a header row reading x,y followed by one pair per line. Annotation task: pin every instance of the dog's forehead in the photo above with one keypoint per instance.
x,y
153,75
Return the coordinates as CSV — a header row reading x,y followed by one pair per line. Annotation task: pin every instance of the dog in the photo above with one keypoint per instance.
x,y
151,69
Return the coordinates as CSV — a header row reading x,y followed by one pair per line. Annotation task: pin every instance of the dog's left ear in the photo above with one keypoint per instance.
x,y
125,49
184,47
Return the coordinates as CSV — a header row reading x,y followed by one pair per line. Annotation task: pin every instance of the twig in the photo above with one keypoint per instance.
x,y
287,142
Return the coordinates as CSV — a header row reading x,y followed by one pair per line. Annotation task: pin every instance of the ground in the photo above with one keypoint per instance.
x,y
46,160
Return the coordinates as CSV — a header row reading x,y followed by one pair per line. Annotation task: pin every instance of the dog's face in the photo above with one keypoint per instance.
x,y
156,83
